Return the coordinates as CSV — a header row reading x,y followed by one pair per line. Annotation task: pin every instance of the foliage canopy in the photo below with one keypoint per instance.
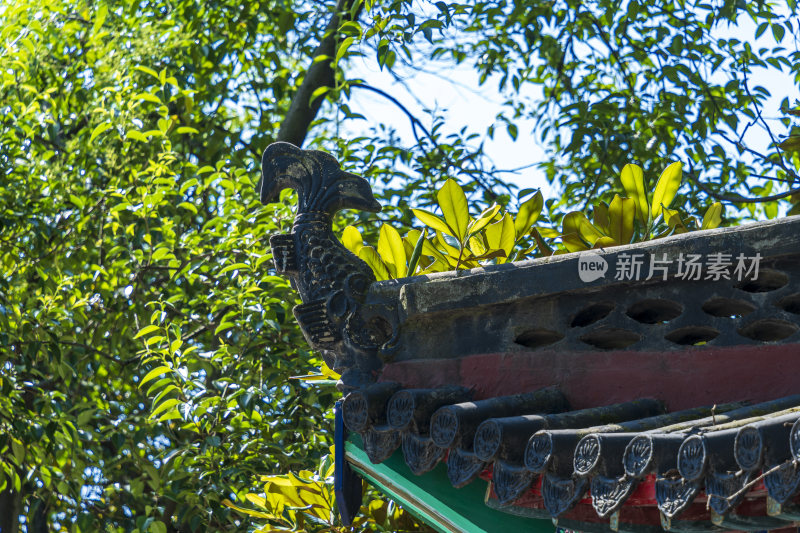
x,y
146,348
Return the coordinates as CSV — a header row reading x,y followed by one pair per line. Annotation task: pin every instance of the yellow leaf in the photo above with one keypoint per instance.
x,y
528,214
674,220
453,202
370,256
352,239
249,512
391,250
501,236
668,184
451,252
257,500
573,242
433,221
620,219
604,242
713,216
577,223
477,246
548,233
633,180
600,216
483,220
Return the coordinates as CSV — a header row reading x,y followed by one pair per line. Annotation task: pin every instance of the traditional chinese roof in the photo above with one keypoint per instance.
x,y
581,467
641,387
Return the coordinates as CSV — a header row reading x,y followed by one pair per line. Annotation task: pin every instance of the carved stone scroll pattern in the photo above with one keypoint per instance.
x,y
380,445
509,482
692,458
487,439
725,490
587,454
748,448
674,495
609,494
783,483
463,467
538,452
420,453
560,494
638,456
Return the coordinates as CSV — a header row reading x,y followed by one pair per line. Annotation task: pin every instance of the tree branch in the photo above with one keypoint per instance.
x,y
302,110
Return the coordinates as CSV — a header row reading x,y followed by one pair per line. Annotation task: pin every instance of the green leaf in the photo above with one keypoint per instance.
x,y
99,18
528,214
790,144
501,236
145,330
453,202
146,70
164,406
575,224
147,97
415,255
343,49
392,251
100,128
77,200
154,373
352,239
668,184
370,256
135,135
674,221
318,92
157,526
433,221
632,178
713,216
600,216
483,220
621,213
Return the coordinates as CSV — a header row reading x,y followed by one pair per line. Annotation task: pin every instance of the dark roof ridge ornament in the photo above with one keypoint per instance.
x,y
332,282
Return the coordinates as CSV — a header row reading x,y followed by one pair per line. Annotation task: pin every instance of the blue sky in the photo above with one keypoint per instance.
x,y
467,103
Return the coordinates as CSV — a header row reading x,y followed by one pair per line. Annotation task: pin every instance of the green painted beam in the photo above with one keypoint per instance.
x,y
434,500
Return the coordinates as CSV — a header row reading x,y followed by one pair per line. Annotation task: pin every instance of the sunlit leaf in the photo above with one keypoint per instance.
x,y
100,128
392,251
600,216
501,236
668,184
621,213
370,256
485,218
632,178
528,214
416,253
352,239
453,203
577,223
712,217
433,221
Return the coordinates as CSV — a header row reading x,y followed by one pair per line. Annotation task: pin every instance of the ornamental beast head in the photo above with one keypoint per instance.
x,y
321,185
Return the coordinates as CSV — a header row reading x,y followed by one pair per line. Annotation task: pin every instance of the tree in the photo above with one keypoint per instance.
x,y
147,349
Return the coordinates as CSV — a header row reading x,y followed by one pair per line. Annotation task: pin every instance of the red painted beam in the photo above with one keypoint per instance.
x,y
683,379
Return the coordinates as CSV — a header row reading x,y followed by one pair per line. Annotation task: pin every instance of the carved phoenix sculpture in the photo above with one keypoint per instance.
x,y
331,281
